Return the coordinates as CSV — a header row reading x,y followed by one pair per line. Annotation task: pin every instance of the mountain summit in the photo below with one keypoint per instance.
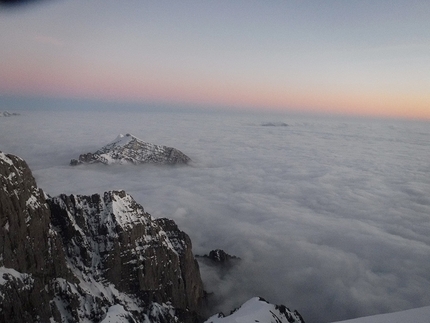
x,y
128,149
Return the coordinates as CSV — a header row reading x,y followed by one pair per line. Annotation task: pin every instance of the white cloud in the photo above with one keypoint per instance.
x,y
330,216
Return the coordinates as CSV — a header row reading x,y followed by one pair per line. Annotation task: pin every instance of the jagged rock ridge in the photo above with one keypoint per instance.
x,y
129,149
89,258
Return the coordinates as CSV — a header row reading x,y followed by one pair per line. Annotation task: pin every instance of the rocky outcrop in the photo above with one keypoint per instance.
x,y
89,258
129,149
220,261
219,256
114,239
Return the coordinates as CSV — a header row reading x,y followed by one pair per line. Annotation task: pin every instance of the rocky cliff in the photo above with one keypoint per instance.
x,y
31,254
89,258
129,149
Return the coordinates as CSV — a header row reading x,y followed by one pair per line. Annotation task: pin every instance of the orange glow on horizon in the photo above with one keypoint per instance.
x,y
114,85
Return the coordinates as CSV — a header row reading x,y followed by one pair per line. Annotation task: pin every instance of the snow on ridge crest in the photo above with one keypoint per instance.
x,y
5,158
114,208
259,310
127,212
122,140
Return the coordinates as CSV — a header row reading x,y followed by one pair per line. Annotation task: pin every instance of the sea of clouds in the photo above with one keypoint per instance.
x,y
331,216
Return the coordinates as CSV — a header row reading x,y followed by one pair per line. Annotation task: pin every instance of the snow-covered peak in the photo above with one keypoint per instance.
x,y
258,310
128,149
123,140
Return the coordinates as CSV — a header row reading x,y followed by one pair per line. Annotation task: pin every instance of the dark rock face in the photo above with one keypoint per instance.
x,y
30,250
86,258
129,149
219,255
189,265
28,243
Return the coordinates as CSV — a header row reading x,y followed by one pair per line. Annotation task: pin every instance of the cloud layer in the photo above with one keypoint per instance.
x,y
330,216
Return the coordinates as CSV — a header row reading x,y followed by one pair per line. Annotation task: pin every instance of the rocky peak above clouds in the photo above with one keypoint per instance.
x,y
274,124
128,149
220,258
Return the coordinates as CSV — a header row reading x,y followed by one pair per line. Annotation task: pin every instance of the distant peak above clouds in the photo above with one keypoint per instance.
x,y
128,149
8,114
274,124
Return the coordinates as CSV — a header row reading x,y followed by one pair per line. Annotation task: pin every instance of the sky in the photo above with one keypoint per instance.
x,y
330,216
355,57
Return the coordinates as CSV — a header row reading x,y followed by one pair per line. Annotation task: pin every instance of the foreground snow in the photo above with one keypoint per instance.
x,y
416,315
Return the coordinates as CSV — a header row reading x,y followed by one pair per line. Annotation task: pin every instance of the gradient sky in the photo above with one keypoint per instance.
x,y
360,57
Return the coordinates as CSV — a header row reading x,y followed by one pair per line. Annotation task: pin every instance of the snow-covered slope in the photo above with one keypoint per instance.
x,y
416,315
259,310
129,149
